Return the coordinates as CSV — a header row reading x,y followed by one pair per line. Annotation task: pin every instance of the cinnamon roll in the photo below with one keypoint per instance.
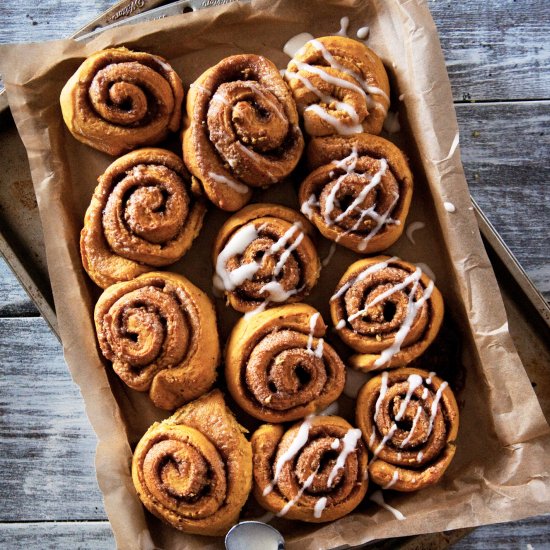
x,y
279,368
242,129
143,215
387,310
159,332
316,471
359,191
340,87
119,99
409,420
194,470
263,256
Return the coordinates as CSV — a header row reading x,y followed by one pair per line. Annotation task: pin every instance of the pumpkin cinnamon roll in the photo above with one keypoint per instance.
x,y
316,471
279,368
159,332
194,470
359,192
242,129
119,99
409,419
387,310
143,215
340,87
263,255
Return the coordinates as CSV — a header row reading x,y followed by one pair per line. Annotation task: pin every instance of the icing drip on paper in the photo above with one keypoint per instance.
x,y
411,228
379,499
329,256
296,43
449,206
362,33
344,24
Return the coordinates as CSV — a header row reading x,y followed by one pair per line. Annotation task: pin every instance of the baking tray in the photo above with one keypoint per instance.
x,y
22,245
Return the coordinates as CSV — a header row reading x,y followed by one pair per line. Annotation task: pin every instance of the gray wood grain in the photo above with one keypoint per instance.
x,y
48,447
14,301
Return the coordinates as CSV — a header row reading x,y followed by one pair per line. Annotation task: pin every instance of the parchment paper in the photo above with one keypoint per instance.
x,y
501,469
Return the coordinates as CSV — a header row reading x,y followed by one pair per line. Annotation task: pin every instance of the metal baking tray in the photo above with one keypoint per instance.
x,y
22,245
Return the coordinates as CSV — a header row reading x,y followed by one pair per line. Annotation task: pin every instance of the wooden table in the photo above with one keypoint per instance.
x,y
498,57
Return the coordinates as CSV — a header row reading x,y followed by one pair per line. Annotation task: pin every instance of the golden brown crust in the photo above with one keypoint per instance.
x,y
387,310
277,366
335,70
194,470
413,441
119,99
314,465
142,215
159,331
241,129
359,191
273,241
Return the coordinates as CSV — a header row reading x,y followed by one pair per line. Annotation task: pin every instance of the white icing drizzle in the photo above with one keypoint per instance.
x,y
296,43
411,228
393,480
433,410
365,273
449,206
414,423
299,494
349,441
401,97
419,456
298,442
386,438
225,280
362,33
412,310
414,381
425,392
329,256
335,444
379,499
230,182
256,157
382,394
372,437
430,375
318,352
307,206
319,507
399,455
220,98
344,24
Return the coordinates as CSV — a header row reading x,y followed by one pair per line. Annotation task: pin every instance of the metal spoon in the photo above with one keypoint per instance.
x,y
254,534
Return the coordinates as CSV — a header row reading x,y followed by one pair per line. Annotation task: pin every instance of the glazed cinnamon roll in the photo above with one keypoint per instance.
x,y
119,99
409,420
143,214
359,192
194,470
340,87
316,471
263,256
242,129
387,310
159,332
279,368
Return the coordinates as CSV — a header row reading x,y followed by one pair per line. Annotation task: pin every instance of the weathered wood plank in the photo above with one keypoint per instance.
x,y
495,49
531,533
504,152
48,447
57,536
14,301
